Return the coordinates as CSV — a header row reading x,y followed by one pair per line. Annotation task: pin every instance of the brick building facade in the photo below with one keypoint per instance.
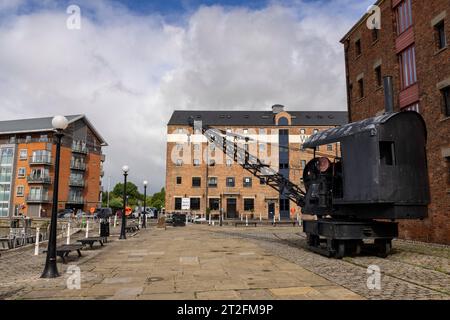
x,y
27,157
412,47
200,172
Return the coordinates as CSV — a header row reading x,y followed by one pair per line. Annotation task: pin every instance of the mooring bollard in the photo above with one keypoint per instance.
x,y
274,219
210,219
260,217
246,220
298,221
36,245
68,233
115,220
87,228
279,217
242,217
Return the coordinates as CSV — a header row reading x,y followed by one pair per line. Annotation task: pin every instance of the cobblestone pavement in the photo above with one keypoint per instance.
x,y
412,271
202,262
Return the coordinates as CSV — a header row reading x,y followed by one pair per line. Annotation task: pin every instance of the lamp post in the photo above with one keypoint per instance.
x,y
59,123
124,221
145,205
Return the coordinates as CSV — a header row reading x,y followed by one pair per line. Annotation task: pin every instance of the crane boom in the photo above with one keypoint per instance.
x,y
252,164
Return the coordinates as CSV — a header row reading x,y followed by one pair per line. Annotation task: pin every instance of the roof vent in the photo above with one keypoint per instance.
x,y
277,108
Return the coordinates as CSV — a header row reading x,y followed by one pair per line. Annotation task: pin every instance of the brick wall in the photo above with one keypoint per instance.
x,y
433,68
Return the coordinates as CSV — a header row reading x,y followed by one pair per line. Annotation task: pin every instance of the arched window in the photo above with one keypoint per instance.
x,y
283,121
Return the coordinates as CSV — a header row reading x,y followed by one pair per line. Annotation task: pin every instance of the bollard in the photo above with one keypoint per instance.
x,y
115,220
145,217
36,245
139,221
274,219
246,220
260,217
99,227
68,233
298,222
210,219
87,228
242,217
279,217
213,223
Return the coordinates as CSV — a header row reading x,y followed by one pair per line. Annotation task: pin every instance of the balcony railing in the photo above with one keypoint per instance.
x,y
41,198
41,160
40,180
79,149
75,200
78,166
76,183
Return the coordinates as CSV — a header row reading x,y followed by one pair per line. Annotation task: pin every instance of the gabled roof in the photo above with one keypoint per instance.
x,y
42,125
258,118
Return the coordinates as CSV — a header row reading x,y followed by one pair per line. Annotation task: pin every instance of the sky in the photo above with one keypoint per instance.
x,y
132,63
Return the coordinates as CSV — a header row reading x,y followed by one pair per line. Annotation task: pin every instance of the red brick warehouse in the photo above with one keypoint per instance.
x,y
412,47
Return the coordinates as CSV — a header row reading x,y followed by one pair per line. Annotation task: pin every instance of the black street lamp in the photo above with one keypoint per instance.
x,y
59,123
145,204
124,220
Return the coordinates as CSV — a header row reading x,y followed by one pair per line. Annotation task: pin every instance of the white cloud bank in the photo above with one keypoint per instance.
x,y
128,73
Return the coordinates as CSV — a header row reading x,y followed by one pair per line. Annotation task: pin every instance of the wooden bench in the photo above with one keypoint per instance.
x,y
91,240
294,223
243,223
64,250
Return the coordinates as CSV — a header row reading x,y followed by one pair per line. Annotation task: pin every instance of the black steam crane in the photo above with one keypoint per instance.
x,y
380,177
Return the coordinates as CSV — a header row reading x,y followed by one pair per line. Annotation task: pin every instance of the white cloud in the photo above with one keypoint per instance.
x,y
128,73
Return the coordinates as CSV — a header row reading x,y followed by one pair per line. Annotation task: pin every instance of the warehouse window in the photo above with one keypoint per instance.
x,y
446,99
230,182
387,153
179,180
247,182
177,203
262,181
212,182
375,34
329,147
195,203
404,16
361,88
229,162
179,162
408,71
214,203
378,76
249,204
358,49
196,162
284,205
196,182
440,35
303,164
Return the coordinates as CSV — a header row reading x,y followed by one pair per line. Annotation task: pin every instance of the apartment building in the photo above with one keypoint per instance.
x,y
201,179
412,47
27,158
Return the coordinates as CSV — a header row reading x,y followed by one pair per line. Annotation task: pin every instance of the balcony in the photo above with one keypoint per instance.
x,y
39,180
79,149
78,166
41,160
38,198
75,200
76,183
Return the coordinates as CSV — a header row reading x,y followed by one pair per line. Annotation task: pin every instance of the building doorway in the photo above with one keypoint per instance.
x,y
231,208
271,210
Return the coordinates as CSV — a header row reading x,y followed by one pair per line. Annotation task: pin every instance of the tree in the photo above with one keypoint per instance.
x,y
116,203
158,199
132,191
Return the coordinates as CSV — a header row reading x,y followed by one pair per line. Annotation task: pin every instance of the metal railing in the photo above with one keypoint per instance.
x,y
40,180
78,166
79,149
76,183
41,160
76,200
38,198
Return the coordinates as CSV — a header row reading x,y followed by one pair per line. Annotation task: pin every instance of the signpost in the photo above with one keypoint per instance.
x,y
185,204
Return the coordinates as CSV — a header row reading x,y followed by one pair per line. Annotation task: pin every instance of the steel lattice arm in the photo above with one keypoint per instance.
x,y
253,165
